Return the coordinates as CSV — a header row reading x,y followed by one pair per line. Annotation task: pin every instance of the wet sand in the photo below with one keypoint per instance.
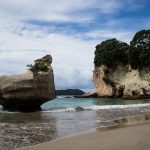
x,y
131,133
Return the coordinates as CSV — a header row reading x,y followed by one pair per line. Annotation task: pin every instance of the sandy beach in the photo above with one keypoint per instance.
x,y
132,137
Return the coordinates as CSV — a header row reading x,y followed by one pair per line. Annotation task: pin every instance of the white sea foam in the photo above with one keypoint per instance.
x,y
96,107
102,107
62,110
60,96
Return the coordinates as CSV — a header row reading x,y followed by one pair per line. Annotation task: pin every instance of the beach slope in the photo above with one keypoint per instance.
x,y
127,138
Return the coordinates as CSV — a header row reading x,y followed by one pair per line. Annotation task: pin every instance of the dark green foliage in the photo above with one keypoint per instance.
x,y
111,53
139,52
38,67
41,66
69,92
31,67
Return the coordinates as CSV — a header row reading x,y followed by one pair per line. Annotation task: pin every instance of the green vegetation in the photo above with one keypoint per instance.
x,y
69,92
31,67
40,66
113,52
139,52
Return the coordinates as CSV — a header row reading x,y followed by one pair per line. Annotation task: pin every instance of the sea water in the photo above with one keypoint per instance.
x,y
62,117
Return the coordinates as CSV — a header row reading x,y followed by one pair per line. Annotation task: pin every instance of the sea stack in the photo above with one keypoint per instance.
x,y
28,91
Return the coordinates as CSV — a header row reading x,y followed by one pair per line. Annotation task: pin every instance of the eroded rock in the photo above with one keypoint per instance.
x,y
28,91
120,82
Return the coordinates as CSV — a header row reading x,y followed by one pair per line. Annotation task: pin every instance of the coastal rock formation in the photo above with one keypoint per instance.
x,y
122,70
105,85
121,82
28,91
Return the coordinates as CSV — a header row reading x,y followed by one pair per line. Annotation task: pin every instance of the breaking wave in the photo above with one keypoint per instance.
x,y
96,107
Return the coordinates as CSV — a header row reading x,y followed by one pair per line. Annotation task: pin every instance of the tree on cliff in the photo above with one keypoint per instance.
x,y
111,53
139,52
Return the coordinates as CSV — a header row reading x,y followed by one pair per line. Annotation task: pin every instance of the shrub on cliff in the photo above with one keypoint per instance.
x,y
31,67
111,53
139,52
38,67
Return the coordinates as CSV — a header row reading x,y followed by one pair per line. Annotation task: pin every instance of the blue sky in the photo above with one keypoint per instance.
x,y
68,30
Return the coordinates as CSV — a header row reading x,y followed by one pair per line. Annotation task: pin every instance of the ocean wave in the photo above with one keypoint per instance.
x,y
61,110
97,107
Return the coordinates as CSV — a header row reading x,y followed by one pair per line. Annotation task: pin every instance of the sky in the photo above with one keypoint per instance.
x,y
69,30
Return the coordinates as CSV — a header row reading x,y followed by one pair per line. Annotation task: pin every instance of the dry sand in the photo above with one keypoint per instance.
x,y
126,138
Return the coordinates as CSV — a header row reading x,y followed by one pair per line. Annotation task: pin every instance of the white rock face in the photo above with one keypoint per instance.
x,y
121,82
28,91
102,89
137,83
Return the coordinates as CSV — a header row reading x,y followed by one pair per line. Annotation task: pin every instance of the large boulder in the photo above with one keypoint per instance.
x,y
28,91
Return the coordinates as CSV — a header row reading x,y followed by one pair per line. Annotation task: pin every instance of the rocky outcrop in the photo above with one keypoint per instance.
x,y
28,91
127,73
121,82
102,88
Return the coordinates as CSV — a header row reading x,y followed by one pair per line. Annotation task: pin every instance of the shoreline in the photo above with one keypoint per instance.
x,y
125,125
23,129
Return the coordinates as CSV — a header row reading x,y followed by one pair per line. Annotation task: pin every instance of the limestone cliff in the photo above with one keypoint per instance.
x,y
121,69
121,82
28,91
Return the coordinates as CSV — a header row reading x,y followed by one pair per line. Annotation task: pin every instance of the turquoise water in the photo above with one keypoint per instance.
x,y
63,117
70,104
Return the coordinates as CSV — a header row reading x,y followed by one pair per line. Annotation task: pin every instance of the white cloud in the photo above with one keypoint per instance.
x,y
72,57
72,53
57,10
125,36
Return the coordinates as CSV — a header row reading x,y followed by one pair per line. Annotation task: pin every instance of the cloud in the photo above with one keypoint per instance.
x,y
58,10
72,57
125,36
68,30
